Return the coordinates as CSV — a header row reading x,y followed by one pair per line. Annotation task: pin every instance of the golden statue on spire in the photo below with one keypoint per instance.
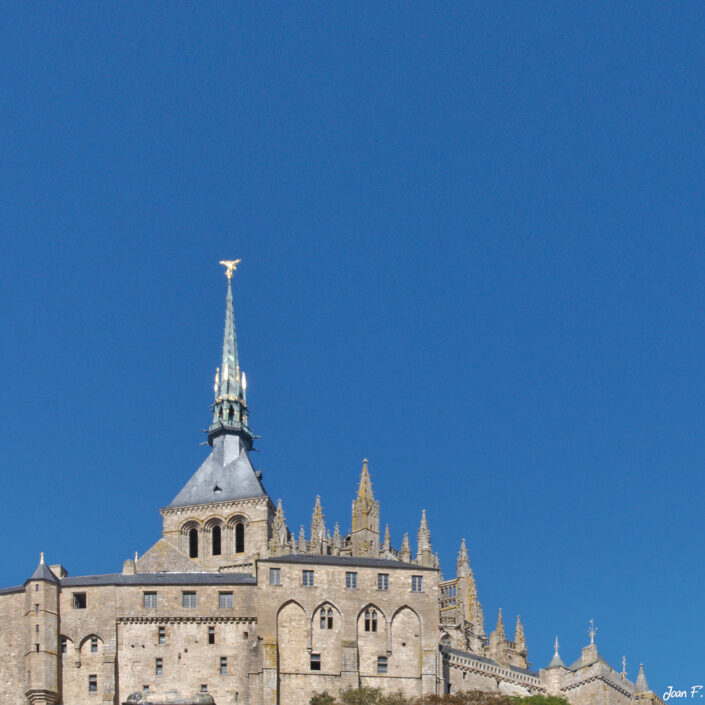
x,y
230,266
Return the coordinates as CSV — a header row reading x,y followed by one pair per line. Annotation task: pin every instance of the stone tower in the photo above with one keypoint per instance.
x,y
42,636
365,518
222,518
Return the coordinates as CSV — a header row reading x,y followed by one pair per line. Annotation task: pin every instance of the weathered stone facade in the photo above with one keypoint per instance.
x,y
229,606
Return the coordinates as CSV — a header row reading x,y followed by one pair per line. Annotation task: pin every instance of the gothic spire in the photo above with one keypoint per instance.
x,y
230,407
318,527
424,552
641,685
387,545
364,490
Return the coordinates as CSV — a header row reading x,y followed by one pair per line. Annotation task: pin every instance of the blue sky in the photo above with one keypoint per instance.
x,y
472,252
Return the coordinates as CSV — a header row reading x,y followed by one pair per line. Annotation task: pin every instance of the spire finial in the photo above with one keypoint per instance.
x,y
592,631
41,558
230,266
556,661
624,667
555,645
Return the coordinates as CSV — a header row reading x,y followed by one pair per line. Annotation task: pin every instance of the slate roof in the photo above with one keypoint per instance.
x,y
226,474
484,659
160,579
42,572
10,590
346,560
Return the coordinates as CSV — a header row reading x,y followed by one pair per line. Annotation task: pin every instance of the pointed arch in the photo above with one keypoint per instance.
x,y
334,620
87,641
405,643
372,638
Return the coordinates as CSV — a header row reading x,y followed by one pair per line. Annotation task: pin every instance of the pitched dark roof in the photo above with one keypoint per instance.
x,y
160,579
10,590
42,572
484,659
226,474
346,560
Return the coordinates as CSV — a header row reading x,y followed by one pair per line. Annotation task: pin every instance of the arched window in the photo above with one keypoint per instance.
x,y
193,543
330,618
326,618
371,621
239,537
323,618
216,540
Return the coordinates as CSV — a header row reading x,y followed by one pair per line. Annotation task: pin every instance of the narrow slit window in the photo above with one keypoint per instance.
x,y
223,665
211,635
158,667
161,635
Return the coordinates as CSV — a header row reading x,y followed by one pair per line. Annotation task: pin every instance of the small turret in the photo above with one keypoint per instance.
x,y
302,547
42,629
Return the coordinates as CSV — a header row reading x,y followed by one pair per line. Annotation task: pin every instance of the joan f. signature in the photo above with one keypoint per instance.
x,y
696,691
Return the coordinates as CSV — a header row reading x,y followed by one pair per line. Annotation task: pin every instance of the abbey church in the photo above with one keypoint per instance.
x,y
229,606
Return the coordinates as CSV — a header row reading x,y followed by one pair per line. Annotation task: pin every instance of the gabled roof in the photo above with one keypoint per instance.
x,y
225,475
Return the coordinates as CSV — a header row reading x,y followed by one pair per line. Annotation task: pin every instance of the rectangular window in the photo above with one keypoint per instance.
x,y
225,599
315,662
150,600
223,665
275,576
416,583
204,687
36,609
189,599
211,635
308,578
92,683
383,581
161,635
158,667
63,644
94,644
351,580
36,648
145,688
381,664
79,600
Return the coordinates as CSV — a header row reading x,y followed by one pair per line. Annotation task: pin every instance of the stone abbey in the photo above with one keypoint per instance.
x,y
229,606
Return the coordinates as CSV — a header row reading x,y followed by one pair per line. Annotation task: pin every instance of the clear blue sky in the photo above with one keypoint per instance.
x,y
472,244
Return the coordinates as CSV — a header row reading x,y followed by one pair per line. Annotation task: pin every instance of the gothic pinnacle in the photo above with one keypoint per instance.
x,y
519,638
641,685
500,625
